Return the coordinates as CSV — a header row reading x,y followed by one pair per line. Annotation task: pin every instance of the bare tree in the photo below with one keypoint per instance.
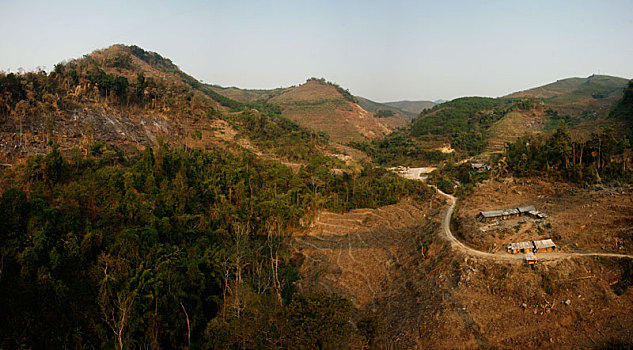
x,y
272,241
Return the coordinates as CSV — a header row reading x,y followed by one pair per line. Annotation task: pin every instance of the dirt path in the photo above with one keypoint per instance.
x,y
503,256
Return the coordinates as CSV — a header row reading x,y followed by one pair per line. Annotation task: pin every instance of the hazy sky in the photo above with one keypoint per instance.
x,y
383,50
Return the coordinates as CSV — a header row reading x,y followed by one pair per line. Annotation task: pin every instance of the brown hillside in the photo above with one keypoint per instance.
x,y
77,114
420,291
323,108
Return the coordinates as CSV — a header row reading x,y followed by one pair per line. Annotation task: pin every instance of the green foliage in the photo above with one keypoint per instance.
x,y
74,82
153,59
559,157
445,185
382,113
463,121
280,135
109,83
169,247
319,321
121,60
555,119
462,114
398,148
462,173
624,108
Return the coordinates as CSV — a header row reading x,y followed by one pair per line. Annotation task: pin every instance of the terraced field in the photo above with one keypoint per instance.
x,y
359,253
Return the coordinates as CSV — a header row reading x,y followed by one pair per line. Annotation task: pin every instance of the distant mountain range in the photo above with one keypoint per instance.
x,y
130,96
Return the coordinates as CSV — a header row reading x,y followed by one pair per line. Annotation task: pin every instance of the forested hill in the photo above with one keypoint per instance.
x,y
171,248
144,210
624,108
128,97
483,125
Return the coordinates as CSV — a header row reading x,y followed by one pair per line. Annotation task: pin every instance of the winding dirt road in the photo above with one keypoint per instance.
x,y
503,256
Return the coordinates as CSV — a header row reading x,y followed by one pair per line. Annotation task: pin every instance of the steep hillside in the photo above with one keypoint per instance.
x,y
129,97
477,124
623,110
414,107
322,107
327,107
583,103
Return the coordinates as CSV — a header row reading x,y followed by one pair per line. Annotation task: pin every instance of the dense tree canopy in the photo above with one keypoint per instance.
x,y
169,248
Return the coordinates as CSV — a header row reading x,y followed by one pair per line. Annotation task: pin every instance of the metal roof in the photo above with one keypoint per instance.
x,y
545,243
526,208
491,213
520,245
511,211
530,256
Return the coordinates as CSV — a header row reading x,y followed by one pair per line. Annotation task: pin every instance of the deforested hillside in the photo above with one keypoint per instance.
x,y
129,98
326,107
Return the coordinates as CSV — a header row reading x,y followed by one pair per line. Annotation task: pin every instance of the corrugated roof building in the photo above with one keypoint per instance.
x,y
545,245
520,247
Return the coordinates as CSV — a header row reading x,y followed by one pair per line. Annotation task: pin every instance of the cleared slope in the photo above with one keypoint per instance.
x,y
326,107
127,97
323,107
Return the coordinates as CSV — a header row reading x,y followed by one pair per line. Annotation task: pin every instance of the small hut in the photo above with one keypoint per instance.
x,y
530,258
524,210
545,245
536,214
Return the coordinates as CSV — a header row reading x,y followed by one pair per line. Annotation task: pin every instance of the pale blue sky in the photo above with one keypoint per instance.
x,y
383,50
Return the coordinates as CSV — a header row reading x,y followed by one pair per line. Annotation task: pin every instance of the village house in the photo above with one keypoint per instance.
x,y
545,245
503,214
520,247
530,258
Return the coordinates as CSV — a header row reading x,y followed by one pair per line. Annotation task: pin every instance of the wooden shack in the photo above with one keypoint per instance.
x,y
545,245
524,210
520,247
530,258
536,214
490,215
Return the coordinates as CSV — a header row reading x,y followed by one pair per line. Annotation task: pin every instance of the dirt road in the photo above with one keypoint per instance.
x,y
503,256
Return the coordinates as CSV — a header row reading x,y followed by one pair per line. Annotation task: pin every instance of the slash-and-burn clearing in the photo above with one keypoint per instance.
x,y
419,290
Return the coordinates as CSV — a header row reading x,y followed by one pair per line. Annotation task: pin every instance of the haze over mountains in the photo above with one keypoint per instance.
x,y
171,104
140,207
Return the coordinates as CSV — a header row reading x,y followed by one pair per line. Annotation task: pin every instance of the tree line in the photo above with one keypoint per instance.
x,y
603,156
